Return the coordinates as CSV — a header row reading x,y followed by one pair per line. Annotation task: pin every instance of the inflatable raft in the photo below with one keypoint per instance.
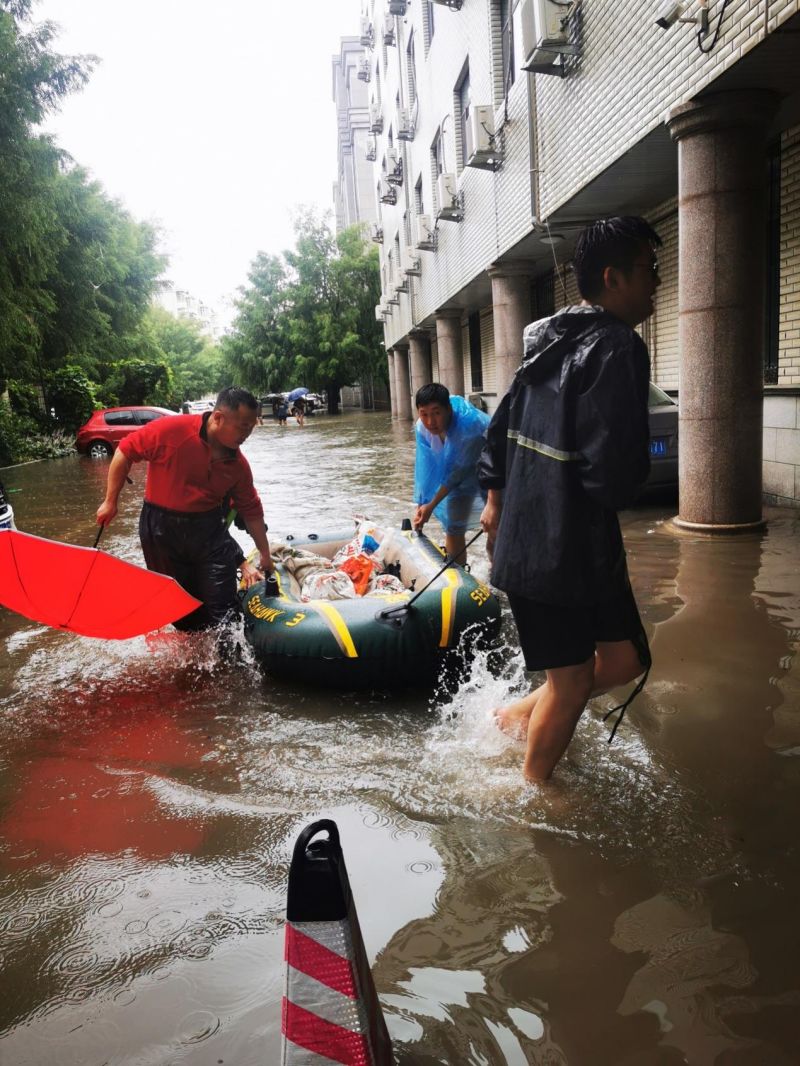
x,y
377,641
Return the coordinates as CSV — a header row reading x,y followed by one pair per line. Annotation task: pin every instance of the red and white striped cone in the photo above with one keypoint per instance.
x,y
331,1012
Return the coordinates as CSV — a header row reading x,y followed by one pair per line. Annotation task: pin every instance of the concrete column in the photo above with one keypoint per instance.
x,y
722,189
421,373
401,378
511,296
451,354
392,385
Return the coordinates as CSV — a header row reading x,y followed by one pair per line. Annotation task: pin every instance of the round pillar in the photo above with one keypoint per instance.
x,y
420,355
451,353
392,385
402,385
511,296
722,190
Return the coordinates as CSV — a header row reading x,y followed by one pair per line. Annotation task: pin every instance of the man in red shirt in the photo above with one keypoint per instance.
x,y
194,465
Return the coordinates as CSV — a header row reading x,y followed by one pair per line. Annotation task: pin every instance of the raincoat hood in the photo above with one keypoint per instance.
x,y
547,341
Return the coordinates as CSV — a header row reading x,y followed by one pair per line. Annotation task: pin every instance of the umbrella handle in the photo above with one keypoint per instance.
x,y
99,535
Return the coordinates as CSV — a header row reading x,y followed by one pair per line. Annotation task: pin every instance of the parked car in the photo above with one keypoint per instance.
x,y
105,429
199,407
663,439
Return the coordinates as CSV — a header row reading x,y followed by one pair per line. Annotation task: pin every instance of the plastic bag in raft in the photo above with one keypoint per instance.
x,y
387,585
328,585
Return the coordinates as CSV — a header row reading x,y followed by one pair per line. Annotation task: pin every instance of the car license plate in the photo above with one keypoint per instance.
x,y
658,446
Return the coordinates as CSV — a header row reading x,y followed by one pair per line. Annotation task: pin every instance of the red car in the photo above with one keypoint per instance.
x,y
105,429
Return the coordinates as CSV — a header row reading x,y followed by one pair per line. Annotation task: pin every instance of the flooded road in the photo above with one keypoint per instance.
x,y
642,910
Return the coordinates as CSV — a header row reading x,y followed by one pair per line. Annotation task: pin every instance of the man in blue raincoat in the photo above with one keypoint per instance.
x,y
450,435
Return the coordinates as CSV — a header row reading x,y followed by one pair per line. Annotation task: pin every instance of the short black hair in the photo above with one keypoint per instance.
x,y
614,242
233,398
433,393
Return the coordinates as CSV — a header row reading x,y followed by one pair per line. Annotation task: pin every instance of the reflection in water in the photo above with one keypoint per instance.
x,y
641,910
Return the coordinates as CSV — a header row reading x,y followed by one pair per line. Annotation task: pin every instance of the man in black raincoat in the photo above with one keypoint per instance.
x,y
568,448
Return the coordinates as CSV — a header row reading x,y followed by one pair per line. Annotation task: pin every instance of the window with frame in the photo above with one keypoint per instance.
x,y
429,11
419,202
475,355
119,418
464,102
411,58
507,43
773,279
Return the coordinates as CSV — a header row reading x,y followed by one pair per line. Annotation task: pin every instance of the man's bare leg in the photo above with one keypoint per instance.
x,y
555,716
616,663
455,545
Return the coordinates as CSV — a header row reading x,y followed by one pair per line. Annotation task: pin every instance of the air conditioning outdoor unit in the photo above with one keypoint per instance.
x,y
385,305
402,284
414,268
545,36
392,298
371,149
376,232
388,30
398,7
449,200
375,119
482,148
426,234
394,166
366,39
379,313
403,125
364,73
454,5
388,192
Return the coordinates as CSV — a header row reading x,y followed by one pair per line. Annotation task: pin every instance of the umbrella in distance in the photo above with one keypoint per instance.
x,y
85,590
296,394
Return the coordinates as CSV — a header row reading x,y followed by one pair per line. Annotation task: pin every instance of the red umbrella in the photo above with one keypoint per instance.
x,y
85,590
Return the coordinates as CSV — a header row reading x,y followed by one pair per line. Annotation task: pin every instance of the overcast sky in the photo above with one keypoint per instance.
x,y
213,119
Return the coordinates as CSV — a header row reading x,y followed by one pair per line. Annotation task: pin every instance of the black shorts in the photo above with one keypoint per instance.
x,y
552,637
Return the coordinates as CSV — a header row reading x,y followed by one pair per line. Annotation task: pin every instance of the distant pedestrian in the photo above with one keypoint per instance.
x,y
450,436
300,411
283,413
260,413
569,445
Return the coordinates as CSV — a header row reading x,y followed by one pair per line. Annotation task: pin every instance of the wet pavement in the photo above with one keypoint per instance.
x,y
641,910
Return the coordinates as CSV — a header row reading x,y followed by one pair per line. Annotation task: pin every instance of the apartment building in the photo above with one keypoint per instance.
x,y
353,191
501,127
182,304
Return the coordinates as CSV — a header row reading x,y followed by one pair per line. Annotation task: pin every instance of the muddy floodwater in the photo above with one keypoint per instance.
x,y
642,910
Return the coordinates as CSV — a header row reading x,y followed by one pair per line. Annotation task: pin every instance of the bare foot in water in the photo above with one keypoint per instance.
x,y
514,718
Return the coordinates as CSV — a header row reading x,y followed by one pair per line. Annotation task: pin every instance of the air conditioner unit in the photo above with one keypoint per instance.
x,y
449,200
376,232
394,166
454,5
392,298
367,38
414,267
404,127
545,36
364,73
380,314
371,149
426,234
385,305
402,284
398,7
375,119
388,30
482,149
388,192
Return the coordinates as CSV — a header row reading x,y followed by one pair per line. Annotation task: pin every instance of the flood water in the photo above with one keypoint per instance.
x,y
641,910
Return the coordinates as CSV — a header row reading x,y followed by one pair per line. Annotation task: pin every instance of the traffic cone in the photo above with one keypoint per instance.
x,y
331,1012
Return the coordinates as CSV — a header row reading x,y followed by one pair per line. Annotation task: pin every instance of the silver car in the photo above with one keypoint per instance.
x,y
663,439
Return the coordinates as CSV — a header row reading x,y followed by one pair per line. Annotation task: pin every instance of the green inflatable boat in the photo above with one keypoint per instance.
x,y
380,640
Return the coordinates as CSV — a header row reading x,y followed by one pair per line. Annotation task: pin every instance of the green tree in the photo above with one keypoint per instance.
x,y
309,318
195,361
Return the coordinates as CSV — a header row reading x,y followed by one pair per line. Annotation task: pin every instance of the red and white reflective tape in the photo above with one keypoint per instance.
x,y
331,1012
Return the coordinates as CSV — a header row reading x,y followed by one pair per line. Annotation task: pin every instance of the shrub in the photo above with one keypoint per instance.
x,y
71,394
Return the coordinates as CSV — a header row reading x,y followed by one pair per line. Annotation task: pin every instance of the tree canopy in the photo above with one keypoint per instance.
x,y
308,317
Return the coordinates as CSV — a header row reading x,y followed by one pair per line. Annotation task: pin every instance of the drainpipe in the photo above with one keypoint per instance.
x,y
532,137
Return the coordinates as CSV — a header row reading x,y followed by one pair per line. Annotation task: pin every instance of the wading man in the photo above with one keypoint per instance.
x,y
569,444
450,436
194,465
